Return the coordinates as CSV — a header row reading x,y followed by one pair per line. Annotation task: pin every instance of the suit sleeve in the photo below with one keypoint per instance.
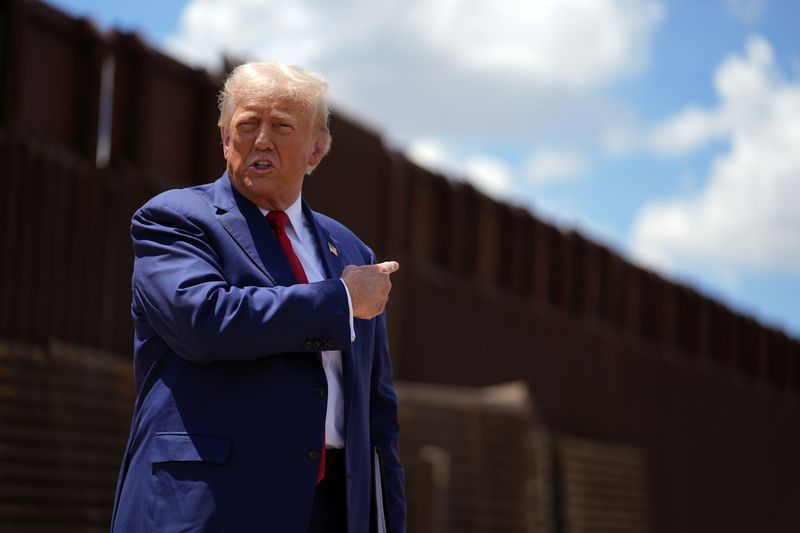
x,y
180,289
384,426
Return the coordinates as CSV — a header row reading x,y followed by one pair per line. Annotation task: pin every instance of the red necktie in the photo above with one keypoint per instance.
x,y
277,220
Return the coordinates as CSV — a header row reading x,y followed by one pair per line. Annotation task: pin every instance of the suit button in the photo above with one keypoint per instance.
x,y
317,345
319,393
308,345
313,455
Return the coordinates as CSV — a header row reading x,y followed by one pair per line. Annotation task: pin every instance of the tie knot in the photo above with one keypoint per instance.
x,y
277,219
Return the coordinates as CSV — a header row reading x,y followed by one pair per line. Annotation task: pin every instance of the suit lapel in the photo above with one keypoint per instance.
x,y
329,250
244,223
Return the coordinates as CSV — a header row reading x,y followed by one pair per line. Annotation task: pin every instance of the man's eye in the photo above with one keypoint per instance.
x,y
246,126
283,125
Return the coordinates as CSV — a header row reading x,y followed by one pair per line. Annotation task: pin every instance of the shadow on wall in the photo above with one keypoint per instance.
x,y
482,459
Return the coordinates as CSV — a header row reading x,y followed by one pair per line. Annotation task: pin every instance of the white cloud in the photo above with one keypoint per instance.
x,y
465,70
748,11
546,167
688,130
747,217
620,137
566,43
431,154
489,174
746,87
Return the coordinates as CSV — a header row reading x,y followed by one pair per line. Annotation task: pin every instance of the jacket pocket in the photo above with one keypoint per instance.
x,y
189,479
189,447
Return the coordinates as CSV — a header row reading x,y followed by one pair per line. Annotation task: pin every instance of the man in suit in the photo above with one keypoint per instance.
x,y
261,362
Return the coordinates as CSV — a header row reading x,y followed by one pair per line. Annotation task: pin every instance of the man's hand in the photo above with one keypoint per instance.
x,y
369,287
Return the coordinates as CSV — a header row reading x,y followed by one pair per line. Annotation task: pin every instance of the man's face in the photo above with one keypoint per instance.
x,y
268,145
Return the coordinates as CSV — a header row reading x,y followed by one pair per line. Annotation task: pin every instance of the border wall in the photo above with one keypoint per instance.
x,y
92,124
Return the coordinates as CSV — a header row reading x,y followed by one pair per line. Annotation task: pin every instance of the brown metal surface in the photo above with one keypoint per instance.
x,y
472,461
64,415
604,487
486,293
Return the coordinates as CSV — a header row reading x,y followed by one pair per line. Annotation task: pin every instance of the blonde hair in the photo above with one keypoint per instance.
x,y
277,80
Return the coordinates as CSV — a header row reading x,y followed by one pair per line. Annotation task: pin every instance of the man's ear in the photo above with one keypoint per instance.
x,y
226,139
320,150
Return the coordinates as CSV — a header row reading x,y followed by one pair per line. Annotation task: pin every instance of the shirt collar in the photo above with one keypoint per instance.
x,y
295,214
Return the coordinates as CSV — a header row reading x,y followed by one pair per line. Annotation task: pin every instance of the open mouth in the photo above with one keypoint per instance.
x,y
262,165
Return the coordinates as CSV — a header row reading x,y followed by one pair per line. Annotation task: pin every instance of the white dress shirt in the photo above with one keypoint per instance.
x,y
300,235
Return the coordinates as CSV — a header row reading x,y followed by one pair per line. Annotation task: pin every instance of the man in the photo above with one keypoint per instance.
x,y
261,362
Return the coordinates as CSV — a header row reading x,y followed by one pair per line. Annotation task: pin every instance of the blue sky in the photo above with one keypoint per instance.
x,y
666,129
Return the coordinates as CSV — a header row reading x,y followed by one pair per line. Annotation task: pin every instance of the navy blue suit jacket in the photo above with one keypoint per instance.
x,y
230,388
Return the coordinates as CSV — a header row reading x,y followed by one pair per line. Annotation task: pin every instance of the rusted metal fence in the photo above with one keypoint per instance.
x,y
92,124
474,459
64,417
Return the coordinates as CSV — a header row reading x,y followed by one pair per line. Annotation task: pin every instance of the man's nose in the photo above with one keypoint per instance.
x,y
264,138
